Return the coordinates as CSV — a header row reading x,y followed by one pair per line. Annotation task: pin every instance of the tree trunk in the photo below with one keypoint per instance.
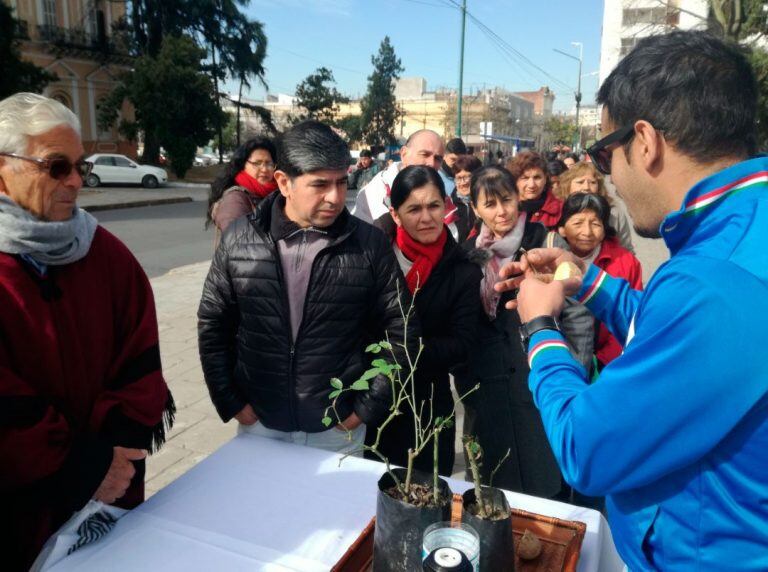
x,y
239,101
219,126
151,153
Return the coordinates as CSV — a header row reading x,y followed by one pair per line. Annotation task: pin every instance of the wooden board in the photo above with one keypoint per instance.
x,y
561,543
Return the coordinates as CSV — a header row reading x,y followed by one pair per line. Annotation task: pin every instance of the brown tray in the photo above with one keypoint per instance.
x,y
561,543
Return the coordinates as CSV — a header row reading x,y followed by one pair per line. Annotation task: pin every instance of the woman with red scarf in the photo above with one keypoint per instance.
x,y
445,286
248,179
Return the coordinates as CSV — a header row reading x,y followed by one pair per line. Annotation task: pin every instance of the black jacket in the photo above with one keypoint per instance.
x,y
502,413
246,346
467,218
448,307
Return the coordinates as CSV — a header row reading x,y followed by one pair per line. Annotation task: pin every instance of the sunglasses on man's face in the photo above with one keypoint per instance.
x,y
58,166
602,151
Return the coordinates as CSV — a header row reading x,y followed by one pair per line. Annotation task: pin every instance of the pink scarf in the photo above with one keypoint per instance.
x,y
500,251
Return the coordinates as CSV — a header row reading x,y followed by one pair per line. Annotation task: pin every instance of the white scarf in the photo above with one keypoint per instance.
x,y
499,251
49,243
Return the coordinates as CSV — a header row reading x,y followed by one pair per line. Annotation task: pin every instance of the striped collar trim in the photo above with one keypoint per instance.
x,y
545,346
700,202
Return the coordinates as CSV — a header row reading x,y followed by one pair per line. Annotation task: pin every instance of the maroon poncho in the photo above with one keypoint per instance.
x,y
79,373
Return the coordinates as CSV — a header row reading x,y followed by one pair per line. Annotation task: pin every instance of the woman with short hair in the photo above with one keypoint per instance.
x,y
464,166
502,414
529,170
585,178
446,290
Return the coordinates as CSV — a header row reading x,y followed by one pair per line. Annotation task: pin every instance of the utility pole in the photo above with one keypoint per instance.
x,y
577,137
461,65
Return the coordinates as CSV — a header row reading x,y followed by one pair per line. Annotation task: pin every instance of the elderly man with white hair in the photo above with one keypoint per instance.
x,y
82,396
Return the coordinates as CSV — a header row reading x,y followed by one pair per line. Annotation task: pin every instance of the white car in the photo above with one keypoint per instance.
x,y
109,168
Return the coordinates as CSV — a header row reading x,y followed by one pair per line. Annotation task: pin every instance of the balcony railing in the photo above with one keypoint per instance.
x,y
22,30
82,40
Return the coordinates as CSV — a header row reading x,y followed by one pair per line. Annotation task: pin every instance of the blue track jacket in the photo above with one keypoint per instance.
x,y
675,431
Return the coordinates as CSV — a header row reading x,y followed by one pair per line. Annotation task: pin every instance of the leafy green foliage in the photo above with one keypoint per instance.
x,y
173,98
318,97
17,75
379,110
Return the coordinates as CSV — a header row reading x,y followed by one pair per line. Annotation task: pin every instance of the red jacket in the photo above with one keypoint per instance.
x,y
620,263
549,214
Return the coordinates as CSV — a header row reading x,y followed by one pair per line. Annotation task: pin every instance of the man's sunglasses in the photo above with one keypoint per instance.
x,y
58,166
601,152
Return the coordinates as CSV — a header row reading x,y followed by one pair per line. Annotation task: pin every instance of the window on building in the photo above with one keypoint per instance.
x,y
627,44
49,13
62,98
658,16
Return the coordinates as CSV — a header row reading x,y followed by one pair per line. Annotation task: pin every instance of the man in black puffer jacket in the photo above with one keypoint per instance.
x,y
295,292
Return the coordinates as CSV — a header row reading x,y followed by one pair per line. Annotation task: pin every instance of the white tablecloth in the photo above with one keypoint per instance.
x,y
257,504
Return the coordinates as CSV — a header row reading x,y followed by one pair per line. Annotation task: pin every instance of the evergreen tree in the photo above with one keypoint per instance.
x,y
379,111
17,75
318,100
184,117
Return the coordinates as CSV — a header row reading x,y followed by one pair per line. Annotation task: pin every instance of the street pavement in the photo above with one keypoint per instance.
x,y
198,431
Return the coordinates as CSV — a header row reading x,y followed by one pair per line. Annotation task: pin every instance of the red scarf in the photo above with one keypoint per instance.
x,y
424,257
254,186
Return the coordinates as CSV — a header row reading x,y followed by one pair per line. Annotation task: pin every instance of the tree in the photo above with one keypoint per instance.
x,y
172,97
379,110
352,127
318,100
17,75
559,130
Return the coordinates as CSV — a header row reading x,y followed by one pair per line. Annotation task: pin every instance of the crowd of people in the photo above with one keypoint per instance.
x,y
655,400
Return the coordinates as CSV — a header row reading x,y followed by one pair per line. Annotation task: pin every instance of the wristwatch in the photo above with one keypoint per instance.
x,y
536,325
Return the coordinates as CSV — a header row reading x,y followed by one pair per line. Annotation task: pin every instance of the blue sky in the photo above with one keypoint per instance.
x,y
343,34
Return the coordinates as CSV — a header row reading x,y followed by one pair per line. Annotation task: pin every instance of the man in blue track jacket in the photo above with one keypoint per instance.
x,y
675,431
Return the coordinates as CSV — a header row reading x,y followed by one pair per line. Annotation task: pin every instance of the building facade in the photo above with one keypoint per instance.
x,y
627,21
85,44
543,100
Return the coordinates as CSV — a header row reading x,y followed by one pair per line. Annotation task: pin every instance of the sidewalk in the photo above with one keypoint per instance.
x,y
107,198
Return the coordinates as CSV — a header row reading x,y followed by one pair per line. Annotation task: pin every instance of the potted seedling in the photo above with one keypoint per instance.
x,y
486,509
408,500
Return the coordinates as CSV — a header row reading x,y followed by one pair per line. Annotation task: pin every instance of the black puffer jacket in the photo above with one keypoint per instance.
x,y
246,345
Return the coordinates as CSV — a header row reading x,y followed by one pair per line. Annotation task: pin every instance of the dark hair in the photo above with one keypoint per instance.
x,y
227,179
457,146
550,156
699,90
311,146
573,156
366,153
412,178
556,168
494,180
580,202
467,163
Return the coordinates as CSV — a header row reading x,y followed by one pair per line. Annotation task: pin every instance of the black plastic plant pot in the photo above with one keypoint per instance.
x,y
497,551
397,540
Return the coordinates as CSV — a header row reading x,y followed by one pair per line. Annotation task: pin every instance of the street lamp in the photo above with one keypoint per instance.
x,y
577,143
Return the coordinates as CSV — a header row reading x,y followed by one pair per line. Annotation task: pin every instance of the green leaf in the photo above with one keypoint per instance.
x,y
397,367
335,393
369,374
475,448
336,383
373,348
361,385
380,363
327,421
386,345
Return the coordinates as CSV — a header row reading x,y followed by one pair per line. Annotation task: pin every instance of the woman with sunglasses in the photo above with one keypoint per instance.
x,y
464,166
586,227
249,178
502,414
529,170
584,177
446,289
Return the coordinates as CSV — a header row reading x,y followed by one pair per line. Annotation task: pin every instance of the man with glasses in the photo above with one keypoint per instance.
x,y
82,396
675,430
